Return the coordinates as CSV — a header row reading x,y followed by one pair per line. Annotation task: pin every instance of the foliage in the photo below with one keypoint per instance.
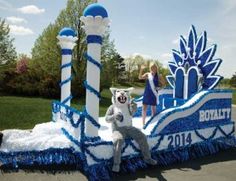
x,y
133,65
108,53
20,80
119,67
7,50
113,65
19,83
4,70
232,81
40,75
224,83
46,56
45,63
22,63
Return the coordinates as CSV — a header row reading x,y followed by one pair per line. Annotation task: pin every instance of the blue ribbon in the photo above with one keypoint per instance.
x,y
93,61
126,146
206,139
91,89
94,157
67,99
133,146
98,143
82,135
75,125
66,51
65,81
91,119
92,139
94,39
70,137
66,65
158,143
226,135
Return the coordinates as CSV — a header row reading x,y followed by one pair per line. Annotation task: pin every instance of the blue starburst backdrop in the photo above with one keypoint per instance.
x,y
193,52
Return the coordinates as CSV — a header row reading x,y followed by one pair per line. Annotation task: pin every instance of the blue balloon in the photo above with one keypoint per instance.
x,y
95,10
67,32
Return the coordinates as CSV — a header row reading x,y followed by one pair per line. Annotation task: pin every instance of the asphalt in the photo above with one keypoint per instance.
x,y
218,167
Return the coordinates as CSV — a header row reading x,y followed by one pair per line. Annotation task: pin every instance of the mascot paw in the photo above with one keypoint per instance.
x,y
150,161
116,168
1,135
119,117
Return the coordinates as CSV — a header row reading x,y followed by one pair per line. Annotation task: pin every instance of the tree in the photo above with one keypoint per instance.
x,y
119,66
22,63
7,50
232,81
46,56
108,53
133,64
113,70
130,66
225,82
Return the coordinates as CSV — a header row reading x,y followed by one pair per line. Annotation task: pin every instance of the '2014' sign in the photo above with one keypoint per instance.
x,y
179,140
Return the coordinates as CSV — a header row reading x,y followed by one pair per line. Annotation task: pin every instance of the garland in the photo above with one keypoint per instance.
x,y
93,61
91,89
66,65
102,171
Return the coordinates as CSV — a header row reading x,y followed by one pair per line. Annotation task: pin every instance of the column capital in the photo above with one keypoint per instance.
x,y
67,38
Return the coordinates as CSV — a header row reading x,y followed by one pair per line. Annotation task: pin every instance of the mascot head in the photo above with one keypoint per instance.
x,y
121,97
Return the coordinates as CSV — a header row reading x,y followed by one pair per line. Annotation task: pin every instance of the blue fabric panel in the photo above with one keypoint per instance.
x,y
192,82
192,121
179,86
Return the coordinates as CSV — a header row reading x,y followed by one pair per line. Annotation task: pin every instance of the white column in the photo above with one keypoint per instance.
x,y
67,40
185,93
94,25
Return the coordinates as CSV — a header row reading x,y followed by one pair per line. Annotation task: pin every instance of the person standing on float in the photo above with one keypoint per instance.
x,y
154,80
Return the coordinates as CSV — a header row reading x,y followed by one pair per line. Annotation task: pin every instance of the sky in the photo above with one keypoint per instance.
x,y
150,28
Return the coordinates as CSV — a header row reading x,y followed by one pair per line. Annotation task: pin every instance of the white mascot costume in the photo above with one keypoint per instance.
x,y
119,114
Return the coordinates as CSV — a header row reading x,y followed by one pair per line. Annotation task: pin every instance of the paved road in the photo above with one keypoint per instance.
x,y
218,167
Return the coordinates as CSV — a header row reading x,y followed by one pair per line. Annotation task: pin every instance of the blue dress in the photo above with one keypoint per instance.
x,y
148,97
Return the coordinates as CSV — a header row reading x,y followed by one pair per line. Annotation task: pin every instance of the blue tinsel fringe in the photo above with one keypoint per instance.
x,y
131,164
102,171
52,156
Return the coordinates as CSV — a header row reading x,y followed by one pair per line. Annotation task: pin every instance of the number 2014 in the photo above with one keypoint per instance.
x,y
179,140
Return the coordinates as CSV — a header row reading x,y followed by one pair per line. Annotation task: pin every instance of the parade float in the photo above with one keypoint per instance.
x,y
193,119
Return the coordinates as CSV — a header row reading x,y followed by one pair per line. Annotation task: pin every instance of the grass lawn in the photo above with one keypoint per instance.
x,y
24,112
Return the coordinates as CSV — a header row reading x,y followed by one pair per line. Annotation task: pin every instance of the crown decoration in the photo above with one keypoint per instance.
x,y
194,53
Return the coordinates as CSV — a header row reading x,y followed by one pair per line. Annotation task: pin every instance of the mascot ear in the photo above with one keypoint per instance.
x,y
113,90
130,89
